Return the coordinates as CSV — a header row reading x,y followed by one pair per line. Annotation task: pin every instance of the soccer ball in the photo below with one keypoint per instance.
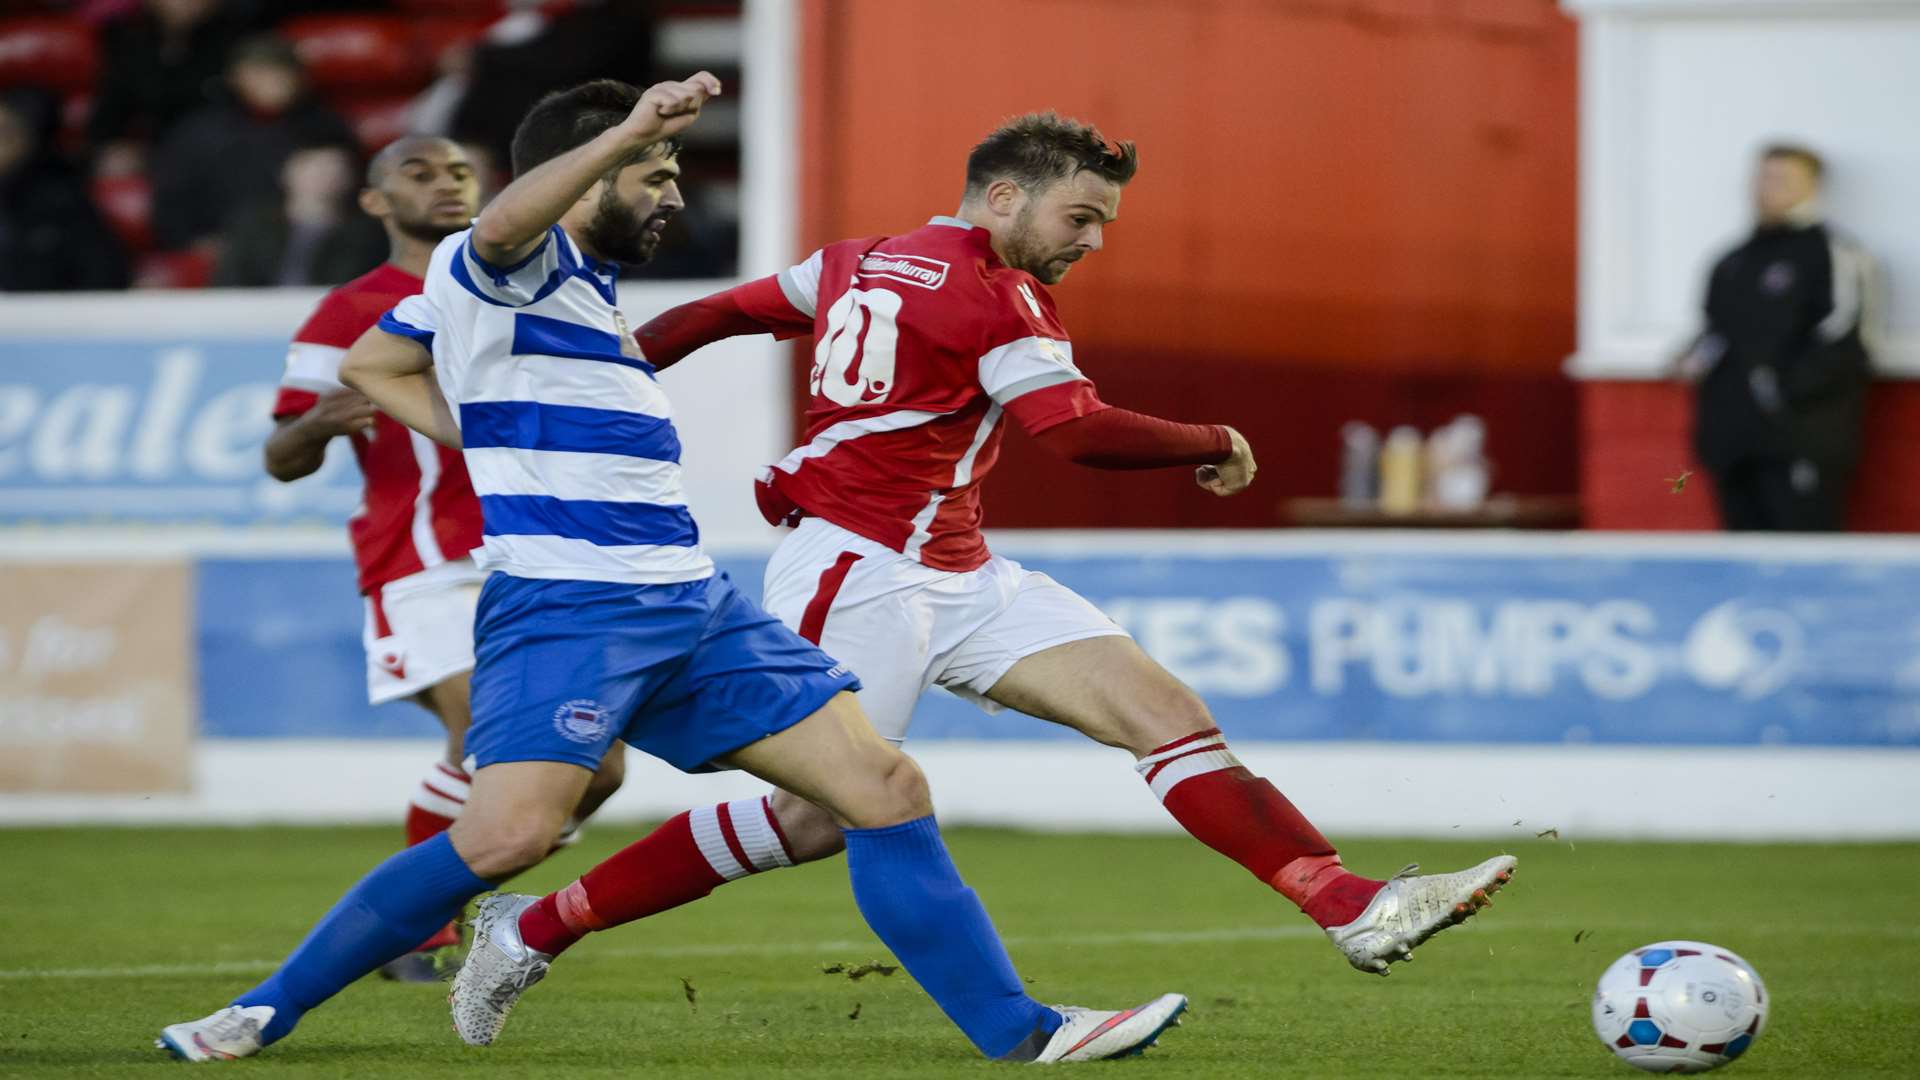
x,y
1679,1006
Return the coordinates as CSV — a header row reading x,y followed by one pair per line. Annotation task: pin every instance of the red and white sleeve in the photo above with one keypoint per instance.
x,y
800,283
770,305
1053,402
1033,377
313,360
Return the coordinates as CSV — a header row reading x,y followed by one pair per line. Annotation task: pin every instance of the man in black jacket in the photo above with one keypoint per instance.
x,y
230,152
309,234
1783,364
159,62
51,236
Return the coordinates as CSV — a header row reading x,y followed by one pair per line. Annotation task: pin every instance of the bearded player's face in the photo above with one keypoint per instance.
x,y
634,210
1062,224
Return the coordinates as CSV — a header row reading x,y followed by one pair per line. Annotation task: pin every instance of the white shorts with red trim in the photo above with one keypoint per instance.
x,y
419,630
904,627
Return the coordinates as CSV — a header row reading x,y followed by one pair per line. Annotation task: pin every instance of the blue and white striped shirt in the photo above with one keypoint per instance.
x,y
568,438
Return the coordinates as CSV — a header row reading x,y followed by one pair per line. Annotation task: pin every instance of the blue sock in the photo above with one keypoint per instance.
x,y
393,909
913,898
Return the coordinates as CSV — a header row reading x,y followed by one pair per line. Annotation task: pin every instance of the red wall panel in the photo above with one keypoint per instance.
x,y
1637,435
1345,209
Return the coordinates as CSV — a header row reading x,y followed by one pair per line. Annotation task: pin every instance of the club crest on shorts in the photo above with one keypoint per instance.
x,y
583,720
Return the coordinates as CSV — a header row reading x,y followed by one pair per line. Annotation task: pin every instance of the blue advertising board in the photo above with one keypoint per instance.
x,y
151,430
1531,645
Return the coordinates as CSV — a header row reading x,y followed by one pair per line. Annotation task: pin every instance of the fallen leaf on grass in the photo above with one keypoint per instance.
x,y
857,972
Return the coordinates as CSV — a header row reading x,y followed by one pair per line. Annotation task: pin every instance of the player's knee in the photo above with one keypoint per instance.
x,y
498,850
1154,720
810,832
901,794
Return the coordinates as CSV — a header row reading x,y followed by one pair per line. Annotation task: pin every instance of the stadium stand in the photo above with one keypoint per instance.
x,y
386,66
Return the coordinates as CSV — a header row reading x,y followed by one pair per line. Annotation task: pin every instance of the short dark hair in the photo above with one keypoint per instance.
x,y
574,117
382,164
1038,149
1796,152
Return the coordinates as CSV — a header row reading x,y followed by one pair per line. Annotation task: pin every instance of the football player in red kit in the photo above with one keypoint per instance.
x,y
418,518
928,345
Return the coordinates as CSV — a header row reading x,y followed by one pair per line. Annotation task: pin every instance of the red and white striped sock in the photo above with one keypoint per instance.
x,y
1245,818
436,802
677,863
740,837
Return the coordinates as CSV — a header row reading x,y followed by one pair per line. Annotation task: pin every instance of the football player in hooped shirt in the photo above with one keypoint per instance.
x,y
927,345
604,619
418,521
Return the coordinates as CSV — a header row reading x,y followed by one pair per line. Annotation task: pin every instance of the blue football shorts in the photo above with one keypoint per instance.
x,y
686,672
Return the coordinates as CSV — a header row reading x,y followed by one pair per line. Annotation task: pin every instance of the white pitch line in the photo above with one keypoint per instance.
x,y
225,967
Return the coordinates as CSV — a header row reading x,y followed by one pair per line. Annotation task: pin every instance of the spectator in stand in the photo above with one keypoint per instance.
x,y
541,44
51,237
1783,364
158,63
230,153
311,234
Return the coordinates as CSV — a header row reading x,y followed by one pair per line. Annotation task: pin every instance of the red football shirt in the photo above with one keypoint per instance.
x,y
418,509
923,344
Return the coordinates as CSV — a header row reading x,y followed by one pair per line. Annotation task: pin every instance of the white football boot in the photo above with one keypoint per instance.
x,y
499,968
1412,908
1094,1035
233,1032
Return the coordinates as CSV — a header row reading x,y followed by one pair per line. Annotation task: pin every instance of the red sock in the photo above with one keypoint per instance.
x,y
1329,893
436,802
677,863
1245,818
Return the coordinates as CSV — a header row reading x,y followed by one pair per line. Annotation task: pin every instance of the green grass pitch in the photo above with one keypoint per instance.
x,y
107,934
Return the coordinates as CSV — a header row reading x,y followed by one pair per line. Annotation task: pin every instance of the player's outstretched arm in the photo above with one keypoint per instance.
x,y
396,374
1070,420
518,218
758,307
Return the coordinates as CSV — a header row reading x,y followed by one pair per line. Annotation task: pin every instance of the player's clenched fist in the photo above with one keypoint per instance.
x,y
1231,476
667,108
340,412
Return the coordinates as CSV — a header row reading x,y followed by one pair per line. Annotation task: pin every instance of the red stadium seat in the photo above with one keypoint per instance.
x,y
359,53
378,121
174,270
127,204
53,54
